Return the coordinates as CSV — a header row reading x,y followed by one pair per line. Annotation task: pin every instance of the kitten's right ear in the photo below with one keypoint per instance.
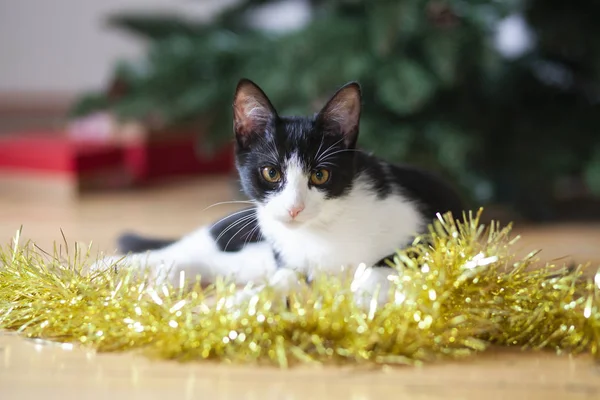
x,y
252,111
341,114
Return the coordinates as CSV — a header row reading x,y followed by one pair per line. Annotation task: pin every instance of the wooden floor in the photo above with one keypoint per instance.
x,y
31,370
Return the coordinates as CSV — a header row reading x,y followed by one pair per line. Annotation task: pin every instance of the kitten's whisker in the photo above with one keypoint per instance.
x,y
325,153
238,222
337,152
229,202
330,148
274,153
341,151
327,163
239,230
321,145
260,234
320,157
233,224
249,235
234,214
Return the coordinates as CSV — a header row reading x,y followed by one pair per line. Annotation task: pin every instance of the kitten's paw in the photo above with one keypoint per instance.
x,y
372,286
283,282
136,263
243,296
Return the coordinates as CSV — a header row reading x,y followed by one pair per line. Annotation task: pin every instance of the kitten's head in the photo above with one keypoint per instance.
x,y
293,166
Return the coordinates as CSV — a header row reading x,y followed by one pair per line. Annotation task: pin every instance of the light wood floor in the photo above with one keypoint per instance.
x,y
29,370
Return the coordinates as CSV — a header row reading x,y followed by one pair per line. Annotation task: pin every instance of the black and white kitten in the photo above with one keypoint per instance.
x,y
321,205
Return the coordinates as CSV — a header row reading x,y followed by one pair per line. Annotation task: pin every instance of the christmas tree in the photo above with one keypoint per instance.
x,y
438,90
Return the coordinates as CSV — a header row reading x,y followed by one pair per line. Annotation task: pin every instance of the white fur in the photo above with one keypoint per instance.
x,y
336,233
329,235
198,254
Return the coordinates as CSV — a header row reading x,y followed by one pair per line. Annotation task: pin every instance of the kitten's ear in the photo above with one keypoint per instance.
x,y
252,111
341,114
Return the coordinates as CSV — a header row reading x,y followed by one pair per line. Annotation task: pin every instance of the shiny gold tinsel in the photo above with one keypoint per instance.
x,y
455,296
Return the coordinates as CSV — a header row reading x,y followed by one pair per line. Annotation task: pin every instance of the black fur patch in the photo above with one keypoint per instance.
x,y
236,230
133,243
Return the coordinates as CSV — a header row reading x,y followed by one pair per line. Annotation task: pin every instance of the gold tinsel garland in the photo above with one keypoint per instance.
x,y
460,289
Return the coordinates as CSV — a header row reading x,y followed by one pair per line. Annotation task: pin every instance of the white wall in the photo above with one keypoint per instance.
x,y
62,46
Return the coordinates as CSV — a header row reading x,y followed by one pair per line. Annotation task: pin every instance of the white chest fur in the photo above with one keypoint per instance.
x,y
356,228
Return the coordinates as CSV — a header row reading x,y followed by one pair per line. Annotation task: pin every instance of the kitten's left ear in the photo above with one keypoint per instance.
x,y
252,111
341,114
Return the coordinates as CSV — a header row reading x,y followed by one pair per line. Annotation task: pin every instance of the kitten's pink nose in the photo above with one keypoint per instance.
x,y
294,211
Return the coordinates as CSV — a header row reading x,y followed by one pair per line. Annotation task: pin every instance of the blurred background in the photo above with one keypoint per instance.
x,y
115,112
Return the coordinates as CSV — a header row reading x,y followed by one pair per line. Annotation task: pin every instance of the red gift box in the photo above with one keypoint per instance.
x,y
173,155
102,164
56,154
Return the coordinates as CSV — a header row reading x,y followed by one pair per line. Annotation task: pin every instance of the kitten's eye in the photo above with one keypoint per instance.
x,y
319,177
271,174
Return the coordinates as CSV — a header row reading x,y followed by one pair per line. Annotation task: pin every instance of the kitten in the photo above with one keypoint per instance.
x,y
321,205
